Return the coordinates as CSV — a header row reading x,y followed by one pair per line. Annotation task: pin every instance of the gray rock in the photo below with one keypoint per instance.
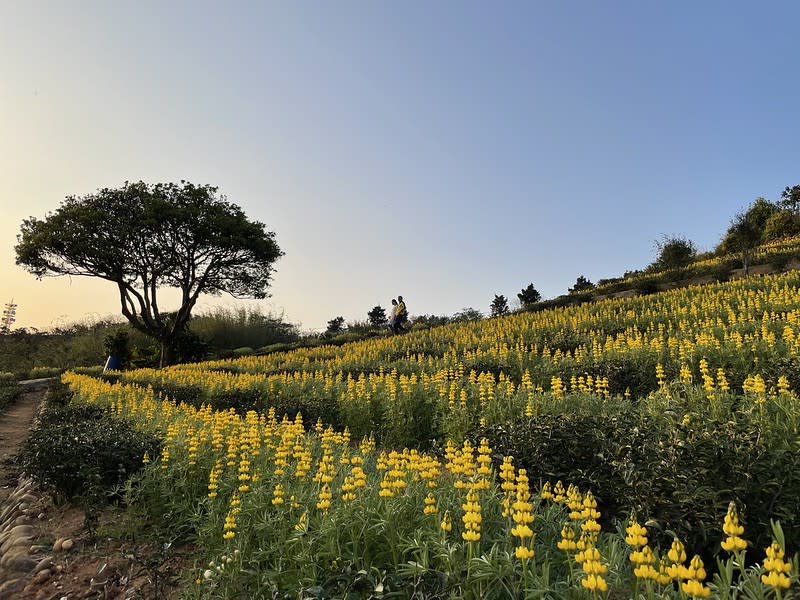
x,y
13,541
22,530
11,588
21,491
42,576
10,508
45,563
19,561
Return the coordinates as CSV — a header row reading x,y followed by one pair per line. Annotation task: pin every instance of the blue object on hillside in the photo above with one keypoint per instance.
x,y
113,363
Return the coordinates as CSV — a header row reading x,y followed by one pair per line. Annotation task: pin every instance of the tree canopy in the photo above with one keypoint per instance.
x,y
143,237
377,316
529,295
499,306
675,252
582,284
790,198
335,325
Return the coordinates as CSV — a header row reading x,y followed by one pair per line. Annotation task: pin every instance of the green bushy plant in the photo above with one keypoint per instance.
x,y
782,224
44,372
77,450
676,463
9,390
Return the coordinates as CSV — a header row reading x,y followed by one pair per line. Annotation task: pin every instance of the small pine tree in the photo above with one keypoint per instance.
x,y
377,317
499,306
581,285
528,296
335,325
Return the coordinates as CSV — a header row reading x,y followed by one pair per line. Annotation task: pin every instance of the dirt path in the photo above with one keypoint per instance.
x,y
96,568
15,424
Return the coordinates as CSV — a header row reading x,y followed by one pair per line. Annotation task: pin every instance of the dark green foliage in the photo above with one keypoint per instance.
x,y
79,344
790,198
528,296
680,478
674,253
269,349
9,392
647,286
499,306
560,301
427,321
117,343
227,328
467,314
782,224
581,285
142,237
79,450
377,317
747,231
335,325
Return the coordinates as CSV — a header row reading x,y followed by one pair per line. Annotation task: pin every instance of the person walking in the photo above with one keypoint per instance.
x,y
393,317
401,314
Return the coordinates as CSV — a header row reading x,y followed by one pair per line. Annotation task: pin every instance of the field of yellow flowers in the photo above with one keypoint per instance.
x,y
508,458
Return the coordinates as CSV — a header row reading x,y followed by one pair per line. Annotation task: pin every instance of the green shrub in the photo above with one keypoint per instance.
x,y
76,450
782,224
44,372
279,347
679,476
648,286
9,390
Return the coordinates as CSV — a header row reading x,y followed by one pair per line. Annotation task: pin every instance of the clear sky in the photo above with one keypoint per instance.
x,y
446,151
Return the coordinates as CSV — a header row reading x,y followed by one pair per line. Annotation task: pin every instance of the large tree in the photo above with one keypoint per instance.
x,y
143,237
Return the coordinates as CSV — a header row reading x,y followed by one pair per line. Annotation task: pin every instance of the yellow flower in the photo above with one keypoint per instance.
x,y
695,588
523,553
430,505
594,582
733,530
776,568
447,523
637,535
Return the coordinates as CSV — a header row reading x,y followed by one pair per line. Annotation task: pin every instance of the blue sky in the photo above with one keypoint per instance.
x,y
445,151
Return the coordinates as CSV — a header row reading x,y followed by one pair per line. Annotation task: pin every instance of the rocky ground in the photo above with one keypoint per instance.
x,y
45,551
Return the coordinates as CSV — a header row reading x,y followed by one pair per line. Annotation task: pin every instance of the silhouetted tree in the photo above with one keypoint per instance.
x,y
674,253
790,198
377,317
528,296
335,325
142,237
581,285
499,306
743,237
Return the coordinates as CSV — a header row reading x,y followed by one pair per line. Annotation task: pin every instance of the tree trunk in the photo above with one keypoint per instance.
x,y
166,353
